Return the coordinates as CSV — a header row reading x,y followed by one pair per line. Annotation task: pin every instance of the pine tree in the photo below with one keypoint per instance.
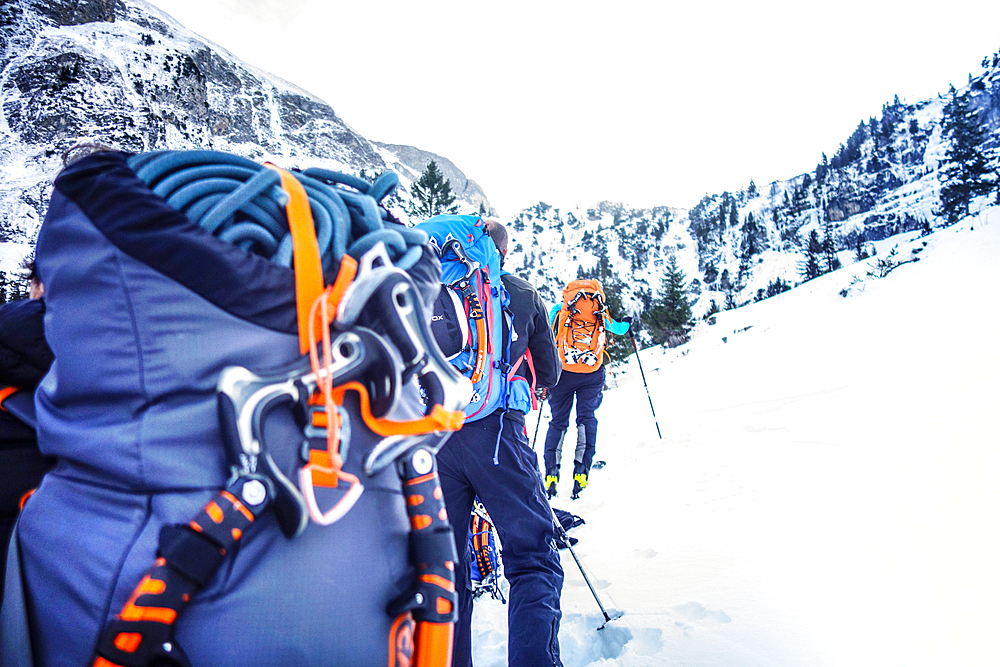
x,y
860,252
751,243
830,247
815,250
966,173
669,320
723,212
731,301
822,169
432,194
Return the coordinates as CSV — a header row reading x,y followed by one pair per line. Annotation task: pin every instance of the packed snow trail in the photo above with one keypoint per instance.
x,y
827,489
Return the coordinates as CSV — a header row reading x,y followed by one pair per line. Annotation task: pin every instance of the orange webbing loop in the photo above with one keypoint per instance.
x,y
305,251
439,419
5,393
346,275
325,468
311,300
321,314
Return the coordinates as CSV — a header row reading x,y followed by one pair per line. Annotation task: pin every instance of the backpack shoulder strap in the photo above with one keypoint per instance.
x,y
531,368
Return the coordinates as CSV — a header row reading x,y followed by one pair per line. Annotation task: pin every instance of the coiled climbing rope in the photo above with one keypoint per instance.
x,y
242,202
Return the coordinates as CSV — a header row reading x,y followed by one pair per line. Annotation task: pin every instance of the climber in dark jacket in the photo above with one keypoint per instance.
x,y
504,475
24,358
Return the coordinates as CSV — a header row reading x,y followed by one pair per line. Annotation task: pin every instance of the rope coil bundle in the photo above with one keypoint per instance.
x,y
241,201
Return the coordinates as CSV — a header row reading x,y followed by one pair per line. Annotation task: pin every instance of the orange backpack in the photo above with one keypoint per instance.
x,y
579,327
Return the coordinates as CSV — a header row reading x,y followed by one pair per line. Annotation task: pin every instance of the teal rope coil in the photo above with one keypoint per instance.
x,y
242,202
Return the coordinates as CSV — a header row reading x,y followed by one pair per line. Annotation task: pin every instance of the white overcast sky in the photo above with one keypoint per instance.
x,y
645,102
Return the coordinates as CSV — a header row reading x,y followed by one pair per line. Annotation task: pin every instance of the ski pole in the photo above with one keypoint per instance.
x,y
565,539
636,348
535,439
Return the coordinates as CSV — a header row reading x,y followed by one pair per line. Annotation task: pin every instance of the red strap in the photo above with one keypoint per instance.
x,y
531,367
5,394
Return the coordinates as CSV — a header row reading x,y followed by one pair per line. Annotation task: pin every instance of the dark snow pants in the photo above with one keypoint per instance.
x,y
588,390
512,492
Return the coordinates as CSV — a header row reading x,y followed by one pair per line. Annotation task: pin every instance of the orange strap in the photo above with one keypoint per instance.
x,y
5,393
305,255
439,419
24,498
482,339
477,372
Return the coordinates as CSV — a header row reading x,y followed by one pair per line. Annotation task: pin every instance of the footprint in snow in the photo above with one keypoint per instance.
x,y
644,553
695,611
599,584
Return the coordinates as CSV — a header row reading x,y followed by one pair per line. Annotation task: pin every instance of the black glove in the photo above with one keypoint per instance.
x,y
627,319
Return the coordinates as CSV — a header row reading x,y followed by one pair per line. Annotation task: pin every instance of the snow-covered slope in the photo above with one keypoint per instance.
x,y
827,489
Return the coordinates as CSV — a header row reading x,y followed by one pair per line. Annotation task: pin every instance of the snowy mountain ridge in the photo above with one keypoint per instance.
x,y
125,74
733,247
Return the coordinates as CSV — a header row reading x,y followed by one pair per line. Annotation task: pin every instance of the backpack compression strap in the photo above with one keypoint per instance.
x,y
188,557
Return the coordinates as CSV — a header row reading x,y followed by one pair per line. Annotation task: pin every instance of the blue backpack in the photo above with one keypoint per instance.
x,y
470,312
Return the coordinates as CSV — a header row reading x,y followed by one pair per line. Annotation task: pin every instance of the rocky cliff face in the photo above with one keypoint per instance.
x,y
123,74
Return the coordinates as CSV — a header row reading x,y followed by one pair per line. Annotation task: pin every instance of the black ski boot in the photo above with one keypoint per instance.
x,y
550,485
